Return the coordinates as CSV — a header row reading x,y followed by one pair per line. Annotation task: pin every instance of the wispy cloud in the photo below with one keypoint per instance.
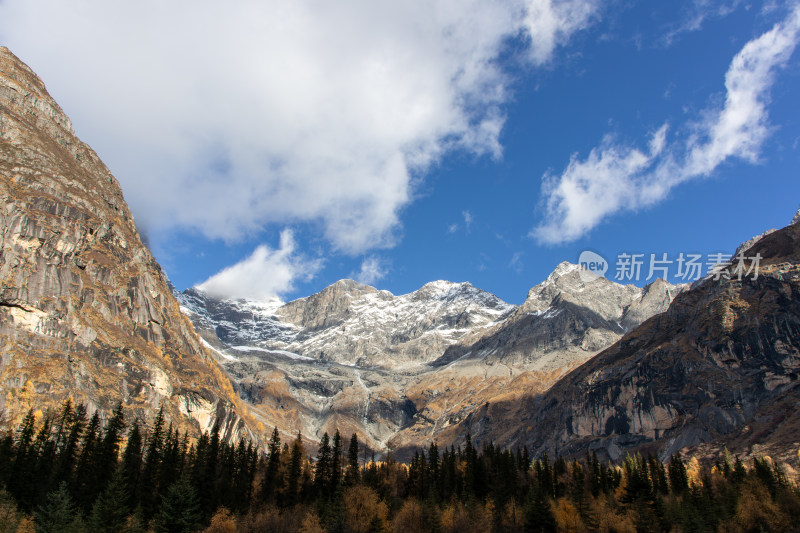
x,y
226,117
266,274
617,177
699,12
516,262
551,23
467,220
373,269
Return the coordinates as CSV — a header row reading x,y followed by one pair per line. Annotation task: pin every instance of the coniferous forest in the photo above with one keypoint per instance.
x,y
67,472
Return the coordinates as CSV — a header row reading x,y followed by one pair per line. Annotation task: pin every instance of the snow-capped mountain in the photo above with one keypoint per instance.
x,y
349,323
406,368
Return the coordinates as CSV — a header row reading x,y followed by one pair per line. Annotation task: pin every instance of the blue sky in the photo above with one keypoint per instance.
x,y
272,148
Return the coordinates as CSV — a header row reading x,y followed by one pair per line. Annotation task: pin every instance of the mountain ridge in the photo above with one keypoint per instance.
x,y
86,312
718,369
367,352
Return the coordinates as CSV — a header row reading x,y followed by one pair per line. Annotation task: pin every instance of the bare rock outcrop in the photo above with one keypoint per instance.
x,y
85,310
720,368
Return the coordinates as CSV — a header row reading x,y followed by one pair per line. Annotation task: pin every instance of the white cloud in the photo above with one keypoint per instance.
x,y
516,262
226,117
696,15
740,128
615,177
264,275
611,178
467,220
373,269
551,24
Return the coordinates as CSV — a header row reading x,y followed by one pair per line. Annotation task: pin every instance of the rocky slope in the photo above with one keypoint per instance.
x,y
564,322
719,368
402,370
342,357
85,311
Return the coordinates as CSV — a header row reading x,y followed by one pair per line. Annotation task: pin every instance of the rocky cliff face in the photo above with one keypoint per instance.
x,y
343,357
403,370
719,368
565,318
564,322
85,311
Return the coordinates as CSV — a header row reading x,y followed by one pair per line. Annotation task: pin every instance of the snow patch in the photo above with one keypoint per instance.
x,y
221,354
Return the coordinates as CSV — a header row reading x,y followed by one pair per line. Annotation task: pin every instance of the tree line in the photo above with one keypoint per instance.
x,y
64,471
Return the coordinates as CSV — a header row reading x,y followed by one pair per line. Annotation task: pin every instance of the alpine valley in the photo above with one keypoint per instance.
x,y
86,312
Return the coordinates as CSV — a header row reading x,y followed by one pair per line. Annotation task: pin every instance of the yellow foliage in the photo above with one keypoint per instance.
x,y
694,471
311,524
267,519
25,525
409,518
222,522
448,519
362,505
756,509
608,520
456,519
9,517
511,516
568,519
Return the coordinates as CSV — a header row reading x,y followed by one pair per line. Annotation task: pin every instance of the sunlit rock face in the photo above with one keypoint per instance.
x,y
404,370
718,369
85,311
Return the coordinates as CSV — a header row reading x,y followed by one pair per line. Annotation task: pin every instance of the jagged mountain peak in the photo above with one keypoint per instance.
x,y
85,311
350,285
719,368
565,283
450,291
34,98
441,286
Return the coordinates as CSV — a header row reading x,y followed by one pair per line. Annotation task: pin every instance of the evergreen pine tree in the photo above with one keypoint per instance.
x,y
470,459
323,466
336,462
57,513
295,471
132,462
434,473
180,509
352,475
538,514
271,482
86,471
43,456
68,455
148,489
208,487
169,469
242,477
109,447
110,510
678,480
